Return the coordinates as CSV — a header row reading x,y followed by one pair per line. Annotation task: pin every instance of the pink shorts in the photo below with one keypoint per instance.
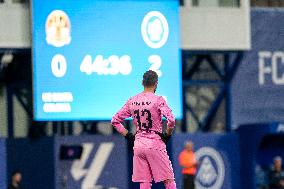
x,y
149,164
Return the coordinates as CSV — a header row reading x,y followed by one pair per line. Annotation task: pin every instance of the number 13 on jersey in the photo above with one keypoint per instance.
x,y
148,118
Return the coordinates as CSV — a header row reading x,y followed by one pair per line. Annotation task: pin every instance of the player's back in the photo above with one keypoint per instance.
x,y
146,111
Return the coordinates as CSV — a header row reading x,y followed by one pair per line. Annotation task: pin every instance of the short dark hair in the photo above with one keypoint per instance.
x,y
16,172
150,78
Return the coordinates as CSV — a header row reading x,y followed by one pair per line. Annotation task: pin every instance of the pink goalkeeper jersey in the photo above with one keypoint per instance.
x,y
147,110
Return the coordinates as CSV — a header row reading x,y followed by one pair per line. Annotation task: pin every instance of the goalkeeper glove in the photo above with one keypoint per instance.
x,y
130,137
165,137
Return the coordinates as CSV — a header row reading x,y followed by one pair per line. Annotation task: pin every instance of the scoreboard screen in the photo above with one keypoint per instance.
x,y
89,56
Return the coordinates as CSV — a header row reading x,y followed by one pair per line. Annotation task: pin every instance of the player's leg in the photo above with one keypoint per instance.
x,y
161,167
141,169
191,181
186,182
170,184
145,185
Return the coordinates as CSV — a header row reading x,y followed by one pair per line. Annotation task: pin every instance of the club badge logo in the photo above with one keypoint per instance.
x,y
211,172
155,29
58,29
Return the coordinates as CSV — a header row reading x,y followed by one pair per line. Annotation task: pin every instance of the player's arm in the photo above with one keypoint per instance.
x,y
119,117
181,160
167,113
188,165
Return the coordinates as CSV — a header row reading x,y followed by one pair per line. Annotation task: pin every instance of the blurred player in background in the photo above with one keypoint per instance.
x,y
16,180
189,164
276,175
150,160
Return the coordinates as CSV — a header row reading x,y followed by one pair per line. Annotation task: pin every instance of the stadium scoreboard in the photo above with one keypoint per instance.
x,y
89,56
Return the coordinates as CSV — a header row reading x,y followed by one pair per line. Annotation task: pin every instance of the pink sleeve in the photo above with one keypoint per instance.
x,y
119,117
166,112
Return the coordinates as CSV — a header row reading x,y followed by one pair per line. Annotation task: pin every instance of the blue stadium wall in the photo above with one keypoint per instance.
x,y
255,150
257,88
257,95
103,163
41,166
34,159
226,161
3,154
106,161
218,158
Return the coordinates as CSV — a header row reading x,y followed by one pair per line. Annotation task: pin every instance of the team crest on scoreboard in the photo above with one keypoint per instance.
x,y
58,29
155,29
211,172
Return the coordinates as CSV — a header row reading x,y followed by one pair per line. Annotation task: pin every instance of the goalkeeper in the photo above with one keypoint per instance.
x,y
150,160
